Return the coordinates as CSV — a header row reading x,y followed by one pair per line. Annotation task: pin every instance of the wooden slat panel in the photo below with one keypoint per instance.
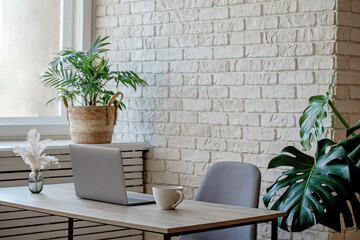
x,y
19,165
133,175
139,189
132,154
20,224
31,221
53,180
15,167
58,150
66,157
44,219
132,161
103,228
14,183
33,228
134,182
62,165
57,173
62,234
19,214
8,209
38,236
24,182
58,180
106,235
17,159
23,167
12,160
136,237
24,175
136,168
82,224
13,175
97,230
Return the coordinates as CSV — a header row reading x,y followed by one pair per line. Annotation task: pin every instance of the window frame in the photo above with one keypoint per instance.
x,y
76,31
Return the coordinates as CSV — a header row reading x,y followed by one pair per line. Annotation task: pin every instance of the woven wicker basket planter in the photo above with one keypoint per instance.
x,y
92,124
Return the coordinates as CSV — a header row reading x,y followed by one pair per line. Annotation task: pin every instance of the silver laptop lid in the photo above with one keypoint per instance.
x,y
98,173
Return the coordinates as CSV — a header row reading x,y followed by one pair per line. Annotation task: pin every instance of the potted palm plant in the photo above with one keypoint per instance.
x,y
83,77
320,188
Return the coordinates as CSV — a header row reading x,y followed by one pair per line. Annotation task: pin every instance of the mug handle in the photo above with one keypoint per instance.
x,y
180,200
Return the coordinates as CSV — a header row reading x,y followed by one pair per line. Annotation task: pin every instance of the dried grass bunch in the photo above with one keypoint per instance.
x,y
31,153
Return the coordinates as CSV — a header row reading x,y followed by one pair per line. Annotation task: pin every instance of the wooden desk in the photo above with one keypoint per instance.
x,y
189,216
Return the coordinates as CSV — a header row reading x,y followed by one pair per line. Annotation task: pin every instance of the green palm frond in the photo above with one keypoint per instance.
x,y
97,46
65,56
129,78
86,74
59,78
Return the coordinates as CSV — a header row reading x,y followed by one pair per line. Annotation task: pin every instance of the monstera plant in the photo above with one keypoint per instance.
x,y
320,188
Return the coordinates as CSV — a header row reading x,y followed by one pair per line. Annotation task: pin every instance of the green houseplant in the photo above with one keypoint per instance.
x,y
84,77
320,188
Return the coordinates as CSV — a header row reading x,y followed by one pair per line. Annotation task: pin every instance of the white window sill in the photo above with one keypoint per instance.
x,y
14,132
8,145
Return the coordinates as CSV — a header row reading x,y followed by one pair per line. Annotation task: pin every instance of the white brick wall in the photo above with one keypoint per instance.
x,y
228,80
348,83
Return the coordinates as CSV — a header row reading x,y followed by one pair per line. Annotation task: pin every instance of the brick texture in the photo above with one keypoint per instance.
x,y
348,83
228,80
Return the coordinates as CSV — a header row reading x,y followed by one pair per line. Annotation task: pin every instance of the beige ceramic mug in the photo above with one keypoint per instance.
x,y
168,197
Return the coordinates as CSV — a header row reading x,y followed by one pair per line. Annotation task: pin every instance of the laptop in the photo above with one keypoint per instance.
x,y
98,174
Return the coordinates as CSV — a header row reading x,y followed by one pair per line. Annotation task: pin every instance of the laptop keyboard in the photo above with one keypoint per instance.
x,y
135,200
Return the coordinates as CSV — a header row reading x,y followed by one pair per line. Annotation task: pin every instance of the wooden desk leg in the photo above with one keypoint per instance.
x,y
70,229
274,229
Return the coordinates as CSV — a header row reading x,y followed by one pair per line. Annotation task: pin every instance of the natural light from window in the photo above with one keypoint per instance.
x,y
29,38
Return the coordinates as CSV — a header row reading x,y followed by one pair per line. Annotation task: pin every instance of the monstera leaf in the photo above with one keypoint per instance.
x,y
314,190
311,125
318,189
331,220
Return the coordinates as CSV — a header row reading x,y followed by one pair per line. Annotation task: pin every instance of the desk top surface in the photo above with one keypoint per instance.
x,y
60,199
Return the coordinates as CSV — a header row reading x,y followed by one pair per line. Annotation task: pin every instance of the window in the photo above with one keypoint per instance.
x,y
26,46
31,32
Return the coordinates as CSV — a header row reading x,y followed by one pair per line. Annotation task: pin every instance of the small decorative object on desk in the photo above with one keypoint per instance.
x,y
31,154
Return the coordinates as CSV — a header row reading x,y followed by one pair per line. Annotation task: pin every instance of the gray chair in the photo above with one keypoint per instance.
x,y
232,183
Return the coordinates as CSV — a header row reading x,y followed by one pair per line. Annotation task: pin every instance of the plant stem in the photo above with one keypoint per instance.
x,y
36,174
337,113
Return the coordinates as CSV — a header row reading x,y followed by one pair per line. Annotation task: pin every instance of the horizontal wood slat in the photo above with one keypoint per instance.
x,y
99,231
61,234
18,215
30,221
17,224
137,237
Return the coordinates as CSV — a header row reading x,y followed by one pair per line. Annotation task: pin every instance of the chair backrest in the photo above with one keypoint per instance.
x,y
232,183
